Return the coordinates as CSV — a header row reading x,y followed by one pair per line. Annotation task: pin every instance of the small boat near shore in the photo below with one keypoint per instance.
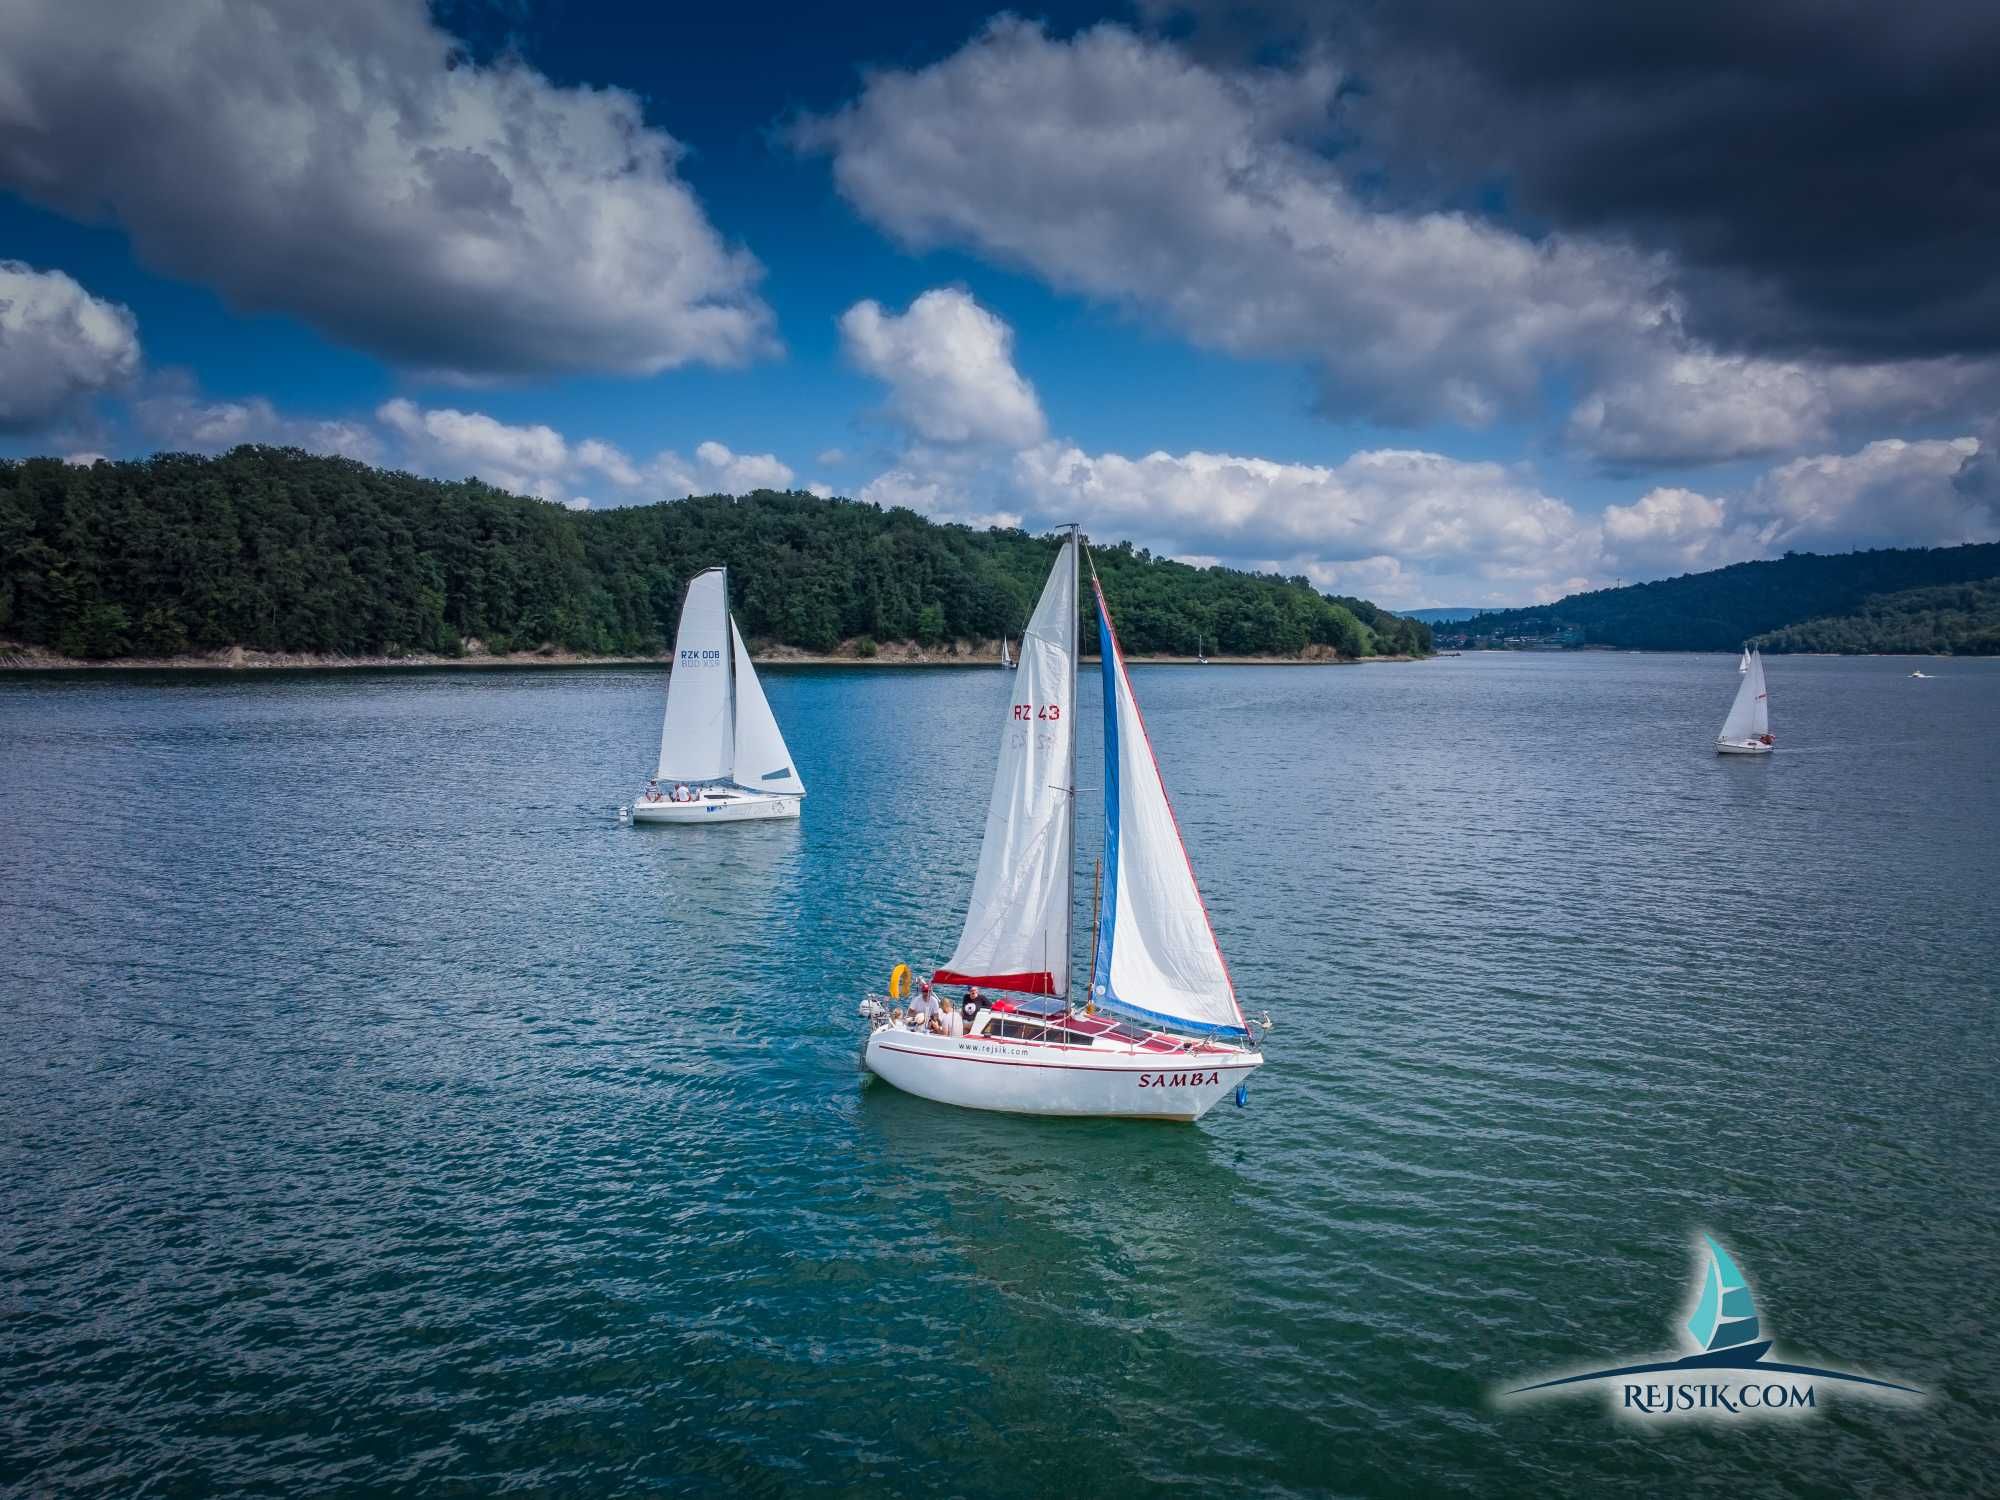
x,y
722,757
1160,1034
1747,730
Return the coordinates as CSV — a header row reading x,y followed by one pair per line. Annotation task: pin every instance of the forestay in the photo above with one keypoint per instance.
x,y
763,763
696,739
1017,928
1157,959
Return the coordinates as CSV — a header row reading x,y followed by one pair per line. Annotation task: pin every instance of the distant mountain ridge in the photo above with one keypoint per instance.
x,y
1441,616
1724,609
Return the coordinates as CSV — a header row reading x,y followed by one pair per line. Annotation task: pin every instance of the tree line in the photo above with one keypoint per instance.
x,y
280,550
1958,619
1721,610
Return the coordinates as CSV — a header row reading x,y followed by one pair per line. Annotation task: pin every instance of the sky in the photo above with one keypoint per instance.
x,y
1431,301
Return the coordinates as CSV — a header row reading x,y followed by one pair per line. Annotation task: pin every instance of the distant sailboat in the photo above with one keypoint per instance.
x,y
722,758
1161,1035
1920,672
1744,665
1006,656
1747,730
1199,659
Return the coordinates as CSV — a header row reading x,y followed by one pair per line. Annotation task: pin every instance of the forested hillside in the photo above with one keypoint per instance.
x,y
1959,619
1719,611
278,550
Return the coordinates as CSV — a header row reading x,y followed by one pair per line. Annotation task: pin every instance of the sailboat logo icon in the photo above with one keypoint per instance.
x,y
1730,1373
1725,1319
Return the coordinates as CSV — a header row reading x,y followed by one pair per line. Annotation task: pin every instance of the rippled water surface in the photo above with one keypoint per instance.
x,y
377,1114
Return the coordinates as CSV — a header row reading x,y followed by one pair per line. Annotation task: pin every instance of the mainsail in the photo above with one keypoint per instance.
x,y
1017,928
762,762
697,740
1157,959
1725,1315
1748,717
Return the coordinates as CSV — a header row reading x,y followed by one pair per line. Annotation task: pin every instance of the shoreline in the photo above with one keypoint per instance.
x,y
239,659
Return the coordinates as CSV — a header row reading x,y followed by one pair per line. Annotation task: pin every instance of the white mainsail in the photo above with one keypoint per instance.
x,y
1749,714
1016,933
762,761
1744,665
1157,959
697,740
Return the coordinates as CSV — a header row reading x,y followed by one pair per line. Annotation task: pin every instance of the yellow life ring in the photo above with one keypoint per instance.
x,y
899,981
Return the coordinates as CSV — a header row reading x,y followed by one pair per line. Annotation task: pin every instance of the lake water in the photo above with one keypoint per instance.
x,y
378,1114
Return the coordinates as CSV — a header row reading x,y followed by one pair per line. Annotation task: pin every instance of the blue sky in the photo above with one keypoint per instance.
x,y
1229,287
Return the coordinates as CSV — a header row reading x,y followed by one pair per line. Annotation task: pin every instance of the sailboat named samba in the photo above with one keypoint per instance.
x,y
1160,1034
722,758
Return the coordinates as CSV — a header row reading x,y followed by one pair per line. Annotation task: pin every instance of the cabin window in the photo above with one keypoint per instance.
x,y
1020,1031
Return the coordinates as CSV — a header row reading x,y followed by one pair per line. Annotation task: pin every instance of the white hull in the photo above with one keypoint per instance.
x,y
1741,747
1033,1079
738,807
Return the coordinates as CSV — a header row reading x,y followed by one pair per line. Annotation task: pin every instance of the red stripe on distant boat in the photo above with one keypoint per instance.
x,y
1021,984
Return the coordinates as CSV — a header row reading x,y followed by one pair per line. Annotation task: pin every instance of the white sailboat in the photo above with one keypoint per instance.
x,y
722,759
1744,665
1006,656
1159,1034
1747,730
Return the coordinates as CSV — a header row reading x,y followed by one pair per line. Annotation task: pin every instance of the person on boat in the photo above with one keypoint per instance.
x,y
682,792
923,1005
652,791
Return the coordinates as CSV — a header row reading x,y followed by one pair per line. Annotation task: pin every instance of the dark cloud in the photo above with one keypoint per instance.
x,y
1826,172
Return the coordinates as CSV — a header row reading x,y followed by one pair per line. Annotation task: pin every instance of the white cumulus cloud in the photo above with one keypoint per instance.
x,y
949,366
1891,493
1440,514
175,415
1121,167
1116,166
530,460
347,165
59,345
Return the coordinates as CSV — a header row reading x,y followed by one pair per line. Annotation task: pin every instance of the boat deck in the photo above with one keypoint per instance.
x,y
1008,1021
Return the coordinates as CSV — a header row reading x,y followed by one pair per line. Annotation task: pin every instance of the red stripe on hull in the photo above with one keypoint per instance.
x,y
1002,1062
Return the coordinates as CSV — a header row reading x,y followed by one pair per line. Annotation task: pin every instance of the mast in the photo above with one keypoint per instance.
x,y
729,668
1077,647
1096,912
